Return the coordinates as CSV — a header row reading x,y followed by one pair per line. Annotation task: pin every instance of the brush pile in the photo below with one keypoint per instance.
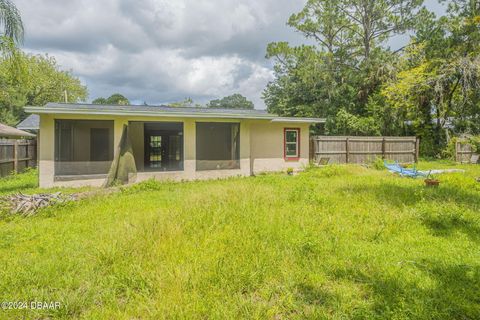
x,y
27,205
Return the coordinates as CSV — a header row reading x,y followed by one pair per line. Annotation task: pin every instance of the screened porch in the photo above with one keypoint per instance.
x,y
85,149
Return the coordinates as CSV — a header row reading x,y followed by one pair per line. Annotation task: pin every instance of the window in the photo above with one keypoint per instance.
x,y
292,143
217,145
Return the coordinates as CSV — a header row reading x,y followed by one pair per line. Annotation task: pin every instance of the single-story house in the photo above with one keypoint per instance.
x,y
79,142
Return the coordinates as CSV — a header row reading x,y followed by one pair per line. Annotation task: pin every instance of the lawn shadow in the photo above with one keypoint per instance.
x,y
446,225
16,189
312,294
452,294
443,223
397,195
313,300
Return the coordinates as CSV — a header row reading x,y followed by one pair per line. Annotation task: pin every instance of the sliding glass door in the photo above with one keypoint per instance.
x,y
163,146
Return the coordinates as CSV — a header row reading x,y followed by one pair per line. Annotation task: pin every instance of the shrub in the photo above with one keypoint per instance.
x,y
474,141
377,164
449,151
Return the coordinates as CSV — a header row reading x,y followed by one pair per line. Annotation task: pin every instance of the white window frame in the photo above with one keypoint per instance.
x,y
296,143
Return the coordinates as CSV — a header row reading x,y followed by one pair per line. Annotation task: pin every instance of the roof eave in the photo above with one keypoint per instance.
x,y
14,134
46,110
298,120
27,128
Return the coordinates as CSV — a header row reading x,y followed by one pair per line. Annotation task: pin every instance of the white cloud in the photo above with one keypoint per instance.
x,y
159,50
159,75
162,50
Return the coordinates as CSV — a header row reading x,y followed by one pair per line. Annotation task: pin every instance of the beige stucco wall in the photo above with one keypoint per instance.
x,y
46,154
261,148
267,146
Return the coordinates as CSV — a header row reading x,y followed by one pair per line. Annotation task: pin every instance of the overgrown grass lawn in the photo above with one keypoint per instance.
x,y
337,242
24,182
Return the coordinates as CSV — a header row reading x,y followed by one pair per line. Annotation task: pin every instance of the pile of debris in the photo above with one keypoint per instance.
x,y
27,205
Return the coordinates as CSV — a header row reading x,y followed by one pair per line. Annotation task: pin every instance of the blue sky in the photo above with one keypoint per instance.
x,y
162,51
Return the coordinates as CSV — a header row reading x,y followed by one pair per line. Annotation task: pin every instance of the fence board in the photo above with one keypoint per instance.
x,y
463,152
343,149
17,155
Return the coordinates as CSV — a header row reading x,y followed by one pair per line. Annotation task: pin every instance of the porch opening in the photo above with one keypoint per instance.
x,y
157,146
83,148
217,145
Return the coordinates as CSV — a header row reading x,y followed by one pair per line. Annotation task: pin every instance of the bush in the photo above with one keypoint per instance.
x,y
474,141
377,164
449,151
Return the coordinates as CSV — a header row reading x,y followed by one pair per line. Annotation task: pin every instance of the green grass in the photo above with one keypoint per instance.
x,y
27,183
24,182
337,242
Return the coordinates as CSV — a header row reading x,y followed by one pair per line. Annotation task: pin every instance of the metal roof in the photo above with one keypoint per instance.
x,y
163,111
32,122
11,132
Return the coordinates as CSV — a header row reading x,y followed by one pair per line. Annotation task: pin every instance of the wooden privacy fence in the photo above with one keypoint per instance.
x,y
364,149
463,151
17,155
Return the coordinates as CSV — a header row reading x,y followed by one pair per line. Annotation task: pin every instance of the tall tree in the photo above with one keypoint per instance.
x,y
439,81
100,100
187,102
10,21
346,65
114,99
34,80
234,101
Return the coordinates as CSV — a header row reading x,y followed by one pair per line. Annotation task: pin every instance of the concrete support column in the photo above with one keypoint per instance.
x,y
189,148
245,166
46,154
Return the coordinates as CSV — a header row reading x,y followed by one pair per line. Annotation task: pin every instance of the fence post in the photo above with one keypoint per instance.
x,y
347,147
15,156
311,153
417,149
27,152
383,148
37,149
456,151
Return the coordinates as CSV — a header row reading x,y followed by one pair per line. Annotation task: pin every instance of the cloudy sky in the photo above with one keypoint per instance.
x,y
162,51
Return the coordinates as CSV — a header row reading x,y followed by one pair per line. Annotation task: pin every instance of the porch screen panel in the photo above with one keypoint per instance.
x,y
217,145
83,147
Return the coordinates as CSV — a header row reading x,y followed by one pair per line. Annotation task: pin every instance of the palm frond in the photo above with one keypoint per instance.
x,y
11,21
